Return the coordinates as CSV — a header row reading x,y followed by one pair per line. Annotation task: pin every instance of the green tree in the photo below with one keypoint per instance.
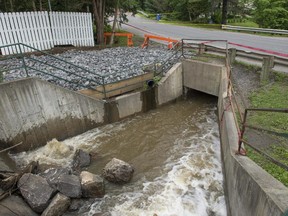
x,y
271,13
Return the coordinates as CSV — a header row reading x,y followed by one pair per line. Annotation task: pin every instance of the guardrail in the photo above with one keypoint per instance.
x,y
260,30
279,61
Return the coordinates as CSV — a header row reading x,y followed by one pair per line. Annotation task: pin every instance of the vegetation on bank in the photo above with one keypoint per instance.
x,y
272,95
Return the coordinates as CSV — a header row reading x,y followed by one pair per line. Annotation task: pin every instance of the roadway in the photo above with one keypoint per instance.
x,y
141,26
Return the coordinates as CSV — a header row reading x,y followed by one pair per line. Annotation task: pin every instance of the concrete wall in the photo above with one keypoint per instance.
x,y
34,111
129,104
170,86
202,76
249,189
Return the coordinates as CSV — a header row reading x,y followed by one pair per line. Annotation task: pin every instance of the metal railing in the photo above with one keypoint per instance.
x,y
160,67
77,76
201,45
244,126
259,30
26,66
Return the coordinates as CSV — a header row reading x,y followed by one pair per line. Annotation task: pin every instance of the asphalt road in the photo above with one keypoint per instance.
x,y
143,26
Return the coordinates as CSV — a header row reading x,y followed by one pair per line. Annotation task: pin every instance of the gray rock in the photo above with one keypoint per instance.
x,y
124,61
15,205
81,159
53,175
59,204
92,185
118,171
36,191
69,185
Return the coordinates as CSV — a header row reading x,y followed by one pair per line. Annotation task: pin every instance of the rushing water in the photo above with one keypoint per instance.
x,y
175,151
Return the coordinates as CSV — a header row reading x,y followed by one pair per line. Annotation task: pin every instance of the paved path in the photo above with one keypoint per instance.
x,y
141,26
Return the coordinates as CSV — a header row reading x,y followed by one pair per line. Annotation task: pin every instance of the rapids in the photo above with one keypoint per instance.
x,y
175,151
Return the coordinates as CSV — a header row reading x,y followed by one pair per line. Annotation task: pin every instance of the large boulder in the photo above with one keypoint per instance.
x,y
59,204
81,159
69,185
118,171
92,185
36,191
15,205
53,175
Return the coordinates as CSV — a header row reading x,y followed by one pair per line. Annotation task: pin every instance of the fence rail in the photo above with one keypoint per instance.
x,y
43,30
260,30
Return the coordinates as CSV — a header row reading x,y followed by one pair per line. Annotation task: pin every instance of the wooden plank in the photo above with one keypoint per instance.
x,y
23,30
28,28
118,88
90,26
6,23
3,36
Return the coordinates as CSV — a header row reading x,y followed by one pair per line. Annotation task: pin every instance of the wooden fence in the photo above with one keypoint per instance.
x,y
43,30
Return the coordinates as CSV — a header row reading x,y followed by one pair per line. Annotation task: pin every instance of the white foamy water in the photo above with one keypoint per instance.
x,y
176,154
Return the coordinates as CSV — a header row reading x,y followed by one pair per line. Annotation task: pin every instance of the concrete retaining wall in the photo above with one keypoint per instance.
x,y
170,86
34,111
249,189
202,76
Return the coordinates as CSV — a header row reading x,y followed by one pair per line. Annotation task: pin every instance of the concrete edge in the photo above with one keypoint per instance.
x,y
249,188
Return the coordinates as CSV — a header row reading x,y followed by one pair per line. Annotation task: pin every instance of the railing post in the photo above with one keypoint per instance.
x,y
267,65
182,48
242,133
23,60
232,55
201,49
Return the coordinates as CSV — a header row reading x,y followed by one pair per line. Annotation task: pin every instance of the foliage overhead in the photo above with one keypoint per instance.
x,y
266,13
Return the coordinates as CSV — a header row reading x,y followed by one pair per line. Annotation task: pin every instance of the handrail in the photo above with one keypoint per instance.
x,y
156,73
244,125
251,29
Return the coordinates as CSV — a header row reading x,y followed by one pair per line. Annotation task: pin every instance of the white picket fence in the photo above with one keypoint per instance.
x,y
35,30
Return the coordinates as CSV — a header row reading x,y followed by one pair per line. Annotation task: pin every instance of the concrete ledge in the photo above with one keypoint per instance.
x,y
129,104
170,86
250,189
202,76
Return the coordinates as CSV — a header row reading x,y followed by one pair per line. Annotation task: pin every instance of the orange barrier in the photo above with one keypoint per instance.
x,y
128,35
148,37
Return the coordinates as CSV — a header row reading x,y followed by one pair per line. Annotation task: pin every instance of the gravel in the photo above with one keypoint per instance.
x,y
110,65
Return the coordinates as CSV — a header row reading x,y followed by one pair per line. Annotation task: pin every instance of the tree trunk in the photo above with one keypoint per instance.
x,y
34,5
40,5
224,12
99,14
11,5
114,23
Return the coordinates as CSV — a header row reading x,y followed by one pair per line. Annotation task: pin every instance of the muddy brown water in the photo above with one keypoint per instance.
x,y
175,151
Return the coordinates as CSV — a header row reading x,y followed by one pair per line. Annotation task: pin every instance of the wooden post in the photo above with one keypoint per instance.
x,y
201,49
267,65
232,55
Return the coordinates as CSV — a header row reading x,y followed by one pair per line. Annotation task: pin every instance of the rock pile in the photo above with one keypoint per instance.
x,y
57,190
110,65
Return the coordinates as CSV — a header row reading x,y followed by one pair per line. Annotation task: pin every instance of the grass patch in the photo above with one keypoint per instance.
x,y
196,25
277,172
245,24
270,96
273,95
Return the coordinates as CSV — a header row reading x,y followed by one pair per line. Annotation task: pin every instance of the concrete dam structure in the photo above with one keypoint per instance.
x,y
33,111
